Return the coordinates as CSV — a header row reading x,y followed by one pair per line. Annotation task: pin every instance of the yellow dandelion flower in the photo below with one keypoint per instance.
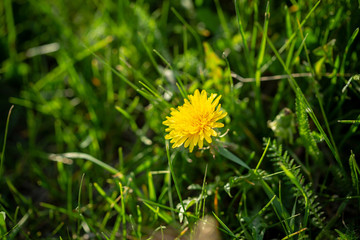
x,y
194,121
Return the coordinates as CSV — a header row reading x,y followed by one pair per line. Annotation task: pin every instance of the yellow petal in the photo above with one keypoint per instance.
x,y
208,139
180,141
216,102
201,143
196,139
201,135
191,147
213,133
188,141
218,125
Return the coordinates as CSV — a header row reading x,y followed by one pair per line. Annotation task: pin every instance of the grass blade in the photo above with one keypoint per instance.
x,y
292,37
262,156
351,40
112,202
192,30
4,143
173,176
242,33
317,92
294,180
227,154
355,172
258,105
228,231
309,110
74,155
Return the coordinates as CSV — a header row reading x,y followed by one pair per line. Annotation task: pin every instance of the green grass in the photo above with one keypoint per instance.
x,y
84,154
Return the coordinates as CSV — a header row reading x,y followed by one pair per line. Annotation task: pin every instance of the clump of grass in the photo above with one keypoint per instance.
x,y
84,154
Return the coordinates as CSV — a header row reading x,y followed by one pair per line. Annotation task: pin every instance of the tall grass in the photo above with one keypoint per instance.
x,y
84,155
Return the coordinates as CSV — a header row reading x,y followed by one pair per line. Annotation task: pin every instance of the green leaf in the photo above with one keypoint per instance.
x,y
2,223
355,172
228,231
5,138
227,154
152,192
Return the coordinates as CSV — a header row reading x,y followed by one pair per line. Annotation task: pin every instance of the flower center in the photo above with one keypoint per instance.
x,y
202,121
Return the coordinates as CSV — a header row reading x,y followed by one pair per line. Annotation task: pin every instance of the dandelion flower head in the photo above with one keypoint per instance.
x,y
195,120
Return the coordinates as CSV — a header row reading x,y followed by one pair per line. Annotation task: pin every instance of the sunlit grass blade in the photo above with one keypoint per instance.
x,y
19,226
349,121
162,206
139,222
152,193
227,230
290,236
262,156
57,228
2,224
168,219
113,203
59,209
78,155
123,213
355,172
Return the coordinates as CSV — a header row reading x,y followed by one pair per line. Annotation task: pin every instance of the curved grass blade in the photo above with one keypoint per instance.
x,y
5,138
90,158
351,40
262,156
